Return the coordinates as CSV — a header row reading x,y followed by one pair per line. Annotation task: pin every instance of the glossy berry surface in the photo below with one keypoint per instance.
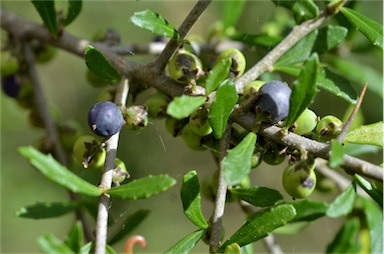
x,y
105,119
273,101
305,123
11,86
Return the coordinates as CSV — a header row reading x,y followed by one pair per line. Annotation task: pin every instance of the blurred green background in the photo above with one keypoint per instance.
x,y
149,151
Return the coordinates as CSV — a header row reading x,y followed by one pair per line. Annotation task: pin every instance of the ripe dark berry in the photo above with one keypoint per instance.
x,y
11,86
273,100
105,119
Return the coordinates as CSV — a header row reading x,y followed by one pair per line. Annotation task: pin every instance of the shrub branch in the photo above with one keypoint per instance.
x,y
22,28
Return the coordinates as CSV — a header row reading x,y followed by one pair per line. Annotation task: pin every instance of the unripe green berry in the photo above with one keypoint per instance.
x,y
44,53
305,123
191,139
175,126
157,105
9,64
299,179
136,117
88,151
185,67
94,80
274,155
238,61
329,127
120,172
252,88
198,121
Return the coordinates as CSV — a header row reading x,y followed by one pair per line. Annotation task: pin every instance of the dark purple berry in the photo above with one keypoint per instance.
x,y
105,119
11,86
273,100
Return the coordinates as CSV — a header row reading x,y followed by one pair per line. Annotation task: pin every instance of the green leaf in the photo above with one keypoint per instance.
x,y
47,210
237,163
232,12
47,12
260,40
155,23
59,174
372,134
358,73
329,37
346,238
302,9
74,238
291,70
300,52
343,203
181,107
375,194
336,85
261,224
304,89
370,28
100,66
291,228
309,210
190,196
217,75
374,219
258,196
130,223
143,188
225,99
74,9
49,243
336,157
186,244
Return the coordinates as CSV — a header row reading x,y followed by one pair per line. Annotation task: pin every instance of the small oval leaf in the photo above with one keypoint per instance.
x,y
225,99
183,106
374,219
74,9
75,239
258,196
190,196
370,28
343,203
237,164
185,245
143,188
46,210
309,210
376,194
155,23
372,134
217,75
336,157
47,12
304,89
100,66
337,85
261,224
49,243
59,174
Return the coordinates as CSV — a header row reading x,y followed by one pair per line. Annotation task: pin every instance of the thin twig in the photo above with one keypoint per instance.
x,y
218,210
343,132
297,33
41,105
183,30
106,178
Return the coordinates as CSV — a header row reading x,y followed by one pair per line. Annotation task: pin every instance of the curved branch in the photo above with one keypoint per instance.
x,y
183,30
20,28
